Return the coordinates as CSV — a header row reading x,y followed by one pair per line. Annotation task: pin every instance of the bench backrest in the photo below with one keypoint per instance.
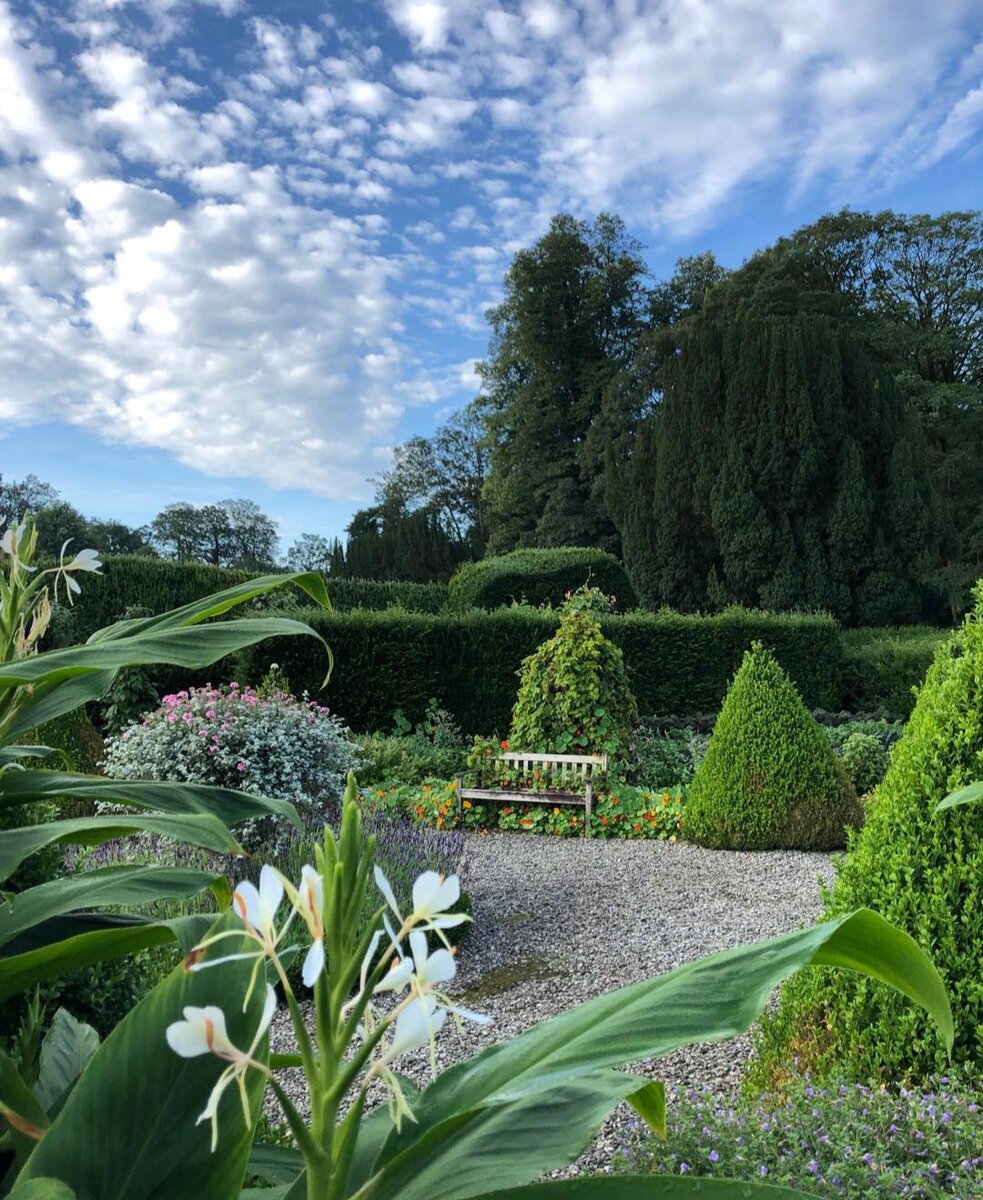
x,y
564,768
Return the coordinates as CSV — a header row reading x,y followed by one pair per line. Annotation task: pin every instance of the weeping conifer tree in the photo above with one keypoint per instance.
x,y
780,470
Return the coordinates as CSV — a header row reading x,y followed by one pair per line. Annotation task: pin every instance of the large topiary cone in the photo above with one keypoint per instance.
x,y
923,871
770,779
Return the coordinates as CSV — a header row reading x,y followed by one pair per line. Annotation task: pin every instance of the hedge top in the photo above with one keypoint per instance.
x,y
539,577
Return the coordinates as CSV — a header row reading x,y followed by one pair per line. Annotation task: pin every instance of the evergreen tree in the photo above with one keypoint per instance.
x,y
781,469
573,309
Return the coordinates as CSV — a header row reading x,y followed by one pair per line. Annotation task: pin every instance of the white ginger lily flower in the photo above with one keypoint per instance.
x,y
257,908
419,1023
85,560
203,1031
433,895
431,970
310,904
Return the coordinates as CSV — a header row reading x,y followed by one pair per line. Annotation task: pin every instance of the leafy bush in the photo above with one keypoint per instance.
x,y
539,577
770,779
434,747
574,696
667,759
922,870
887,733
865,760
231,737
832,1141
676,664
881,666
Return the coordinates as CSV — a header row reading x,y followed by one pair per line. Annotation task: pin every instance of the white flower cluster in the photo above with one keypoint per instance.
x,y
233,737
414,981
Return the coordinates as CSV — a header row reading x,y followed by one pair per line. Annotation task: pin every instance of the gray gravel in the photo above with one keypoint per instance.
x,y
557,921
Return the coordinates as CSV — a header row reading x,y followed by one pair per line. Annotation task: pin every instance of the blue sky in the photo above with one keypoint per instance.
x,y
246,248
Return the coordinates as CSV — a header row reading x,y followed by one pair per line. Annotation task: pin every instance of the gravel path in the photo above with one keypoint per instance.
x,y
557,921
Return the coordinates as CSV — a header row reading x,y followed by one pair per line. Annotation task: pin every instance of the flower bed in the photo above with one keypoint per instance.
x,y
622,812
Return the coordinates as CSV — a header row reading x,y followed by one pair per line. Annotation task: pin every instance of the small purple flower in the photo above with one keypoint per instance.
x,y
713,1156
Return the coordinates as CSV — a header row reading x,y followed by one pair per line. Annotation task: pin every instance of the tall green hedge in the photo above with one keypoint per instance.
x,y
881,666
539,577
134,581
678,664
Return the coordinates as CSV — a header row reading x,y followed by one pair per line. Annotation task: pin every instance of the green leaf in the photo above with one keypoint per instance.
x,y
9,754
650,1104
279,1164
709,1000
52,700
463,1156
42,1189
20,1110
83,939
649,1187
65,1052
229,805
110,886
971,794
128,1131
197,829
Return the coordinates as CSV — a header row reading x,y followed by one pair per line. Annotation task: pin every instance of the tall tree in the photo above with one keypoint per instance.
x,y
231,533
574,305
782,470
310,552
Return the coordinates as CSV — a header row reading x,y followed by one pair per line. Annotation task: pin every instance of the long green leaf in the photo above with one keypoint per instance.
x,y
709,1000
148,1099
650,1187
464,1156
9,754
49,701
972,793
108,887
217,604
280,1164
229,805
20,1110
42,1189
185,646
98,938
195,829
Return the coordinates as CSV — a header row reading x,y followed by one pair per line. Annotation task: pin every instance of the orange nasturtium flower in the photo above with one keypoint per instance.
x,y
466,804
505,745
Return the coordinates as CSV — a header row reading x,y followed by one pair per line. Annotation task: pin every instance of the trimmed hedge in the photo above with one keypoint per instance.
x,y
882,665
469,661
134,581
539,577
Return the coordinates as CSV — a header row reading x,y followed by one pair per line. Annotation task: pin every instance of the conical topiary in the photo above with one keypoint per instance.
x,y
574,696
770,779
923,871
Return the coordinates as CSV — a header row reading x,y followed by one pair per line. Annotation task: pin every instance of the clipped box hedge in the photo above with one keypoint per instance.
x,y
539,577
676,663
132,581
881,666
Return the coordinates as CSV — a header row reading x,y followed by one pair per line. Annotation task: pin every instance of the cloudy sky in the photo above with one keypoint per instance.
x,y
246,247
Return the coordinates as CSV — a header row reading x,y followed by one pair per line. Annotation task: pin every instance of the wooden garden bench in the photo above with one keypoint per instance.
x,y
575,774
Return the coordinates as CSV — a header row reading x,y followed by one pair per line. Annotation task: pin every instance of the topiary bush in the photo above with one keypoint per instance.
x,y
865,760
574,696
923,871
540,577
770,779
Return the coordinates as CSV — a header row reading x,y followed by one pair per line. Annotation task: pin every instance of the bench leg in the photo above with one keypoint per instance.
x,y
588,808
460,789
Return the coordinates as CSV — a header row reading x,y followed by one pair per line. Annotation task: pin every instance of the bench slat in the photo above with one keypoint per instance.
x,y
503,796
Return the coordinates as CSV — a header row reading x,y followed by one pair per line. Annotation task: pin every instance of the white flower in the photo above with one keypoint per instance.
x,y
431,970
257,908
396,978
417,1025
310,905
433,895
203,1031
85,560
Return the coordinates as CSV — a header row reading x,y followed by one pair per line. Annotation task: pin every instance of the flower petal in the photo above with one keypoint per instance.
x,y
396,978
247,903
416,1025
270,894
385,887
313,963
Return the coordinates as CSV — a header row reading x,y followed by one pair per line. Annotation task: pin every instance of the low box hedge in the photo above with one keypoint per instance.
x,y
676,663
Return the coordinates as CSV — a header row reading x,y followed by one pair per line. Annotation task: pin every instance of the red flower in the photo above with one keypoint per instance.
x,y
505,745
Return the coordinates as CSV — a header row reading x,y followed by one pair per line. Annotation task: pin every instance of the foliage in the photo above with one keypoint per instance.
x,y
668,759
840,1140
63,925
865,760
676,664
882,666
434,747
233,737
574,696
548,1090
391,541
573,308
539,577
921,869
231,533
770,779
768,476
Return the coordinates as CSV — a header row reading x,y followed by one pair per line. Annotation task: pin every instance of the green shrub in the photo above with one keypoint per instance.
x,y
923,871
539,577
865,760
75,734
435,747
574,696
770,779
660,760
881,666
676,664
